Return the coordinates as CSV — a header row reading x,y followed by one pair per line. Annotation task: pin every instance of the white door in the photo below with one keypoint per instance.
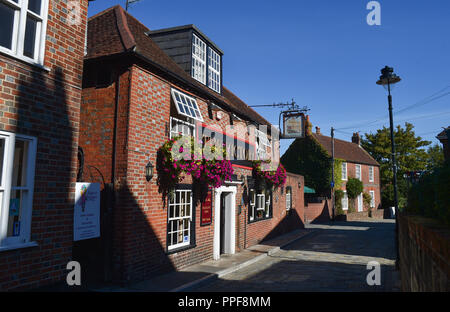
x,y
230,220
360,202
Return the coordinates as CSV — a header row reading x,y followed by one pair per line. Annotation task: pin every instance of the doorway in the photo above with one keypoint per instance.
x,y
224,221
360,202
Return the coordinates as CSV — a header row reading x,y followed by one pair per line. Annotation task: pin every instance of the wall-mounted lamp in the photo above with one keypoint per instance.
x,y
299,184
149,171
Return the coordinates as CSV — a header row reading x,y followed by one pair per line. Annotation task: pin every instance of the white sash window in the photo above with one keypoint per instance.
x,y
23,26
17,163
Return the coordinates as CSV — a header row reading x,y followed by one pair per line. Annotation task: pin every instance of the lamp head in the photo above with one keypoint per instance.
x,y
388,77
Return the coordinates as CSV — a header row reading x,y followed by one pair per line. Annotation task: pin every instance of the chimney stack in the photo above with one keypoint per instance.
x,y
356,139
317,130
308,126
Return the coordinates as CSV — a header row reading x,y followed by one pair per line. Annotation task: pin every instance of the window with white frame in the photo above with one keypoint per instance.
x,y
345,201
198,59
344,171
17,163
288,198
179,225
358,171
23,24
371,174
181,128
186,105
372,199
260,205
213,70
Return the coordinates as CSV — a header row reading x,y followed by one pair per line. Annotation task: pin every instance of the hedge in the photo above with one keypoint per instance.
x,y
430,197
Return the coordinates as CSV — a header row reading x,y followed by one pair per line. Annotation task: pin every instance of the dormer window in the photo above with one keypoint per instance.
x,y
201,54
198,59
213,70
193,51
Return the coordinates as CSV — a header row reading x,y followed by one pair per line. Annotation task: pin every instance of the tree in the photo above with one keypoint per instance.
x,y
410,156
435,157
354,187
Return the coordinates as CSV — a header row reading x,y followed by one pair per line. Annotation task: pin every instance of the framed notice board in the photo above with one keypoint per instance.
x,y
206,210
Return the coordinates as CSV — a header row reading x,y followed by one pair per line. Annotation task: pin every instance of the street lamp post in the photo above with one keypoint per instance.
x,y
387,79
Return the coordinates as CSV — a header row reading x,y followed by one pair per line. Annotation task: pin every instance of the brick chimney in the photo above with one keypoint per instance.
x,y
317,130
356,139
308,126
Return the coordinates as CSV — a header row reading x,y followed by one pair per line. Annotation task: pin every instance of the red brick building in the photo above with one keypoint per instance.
x,y
356,163
41,66
140,88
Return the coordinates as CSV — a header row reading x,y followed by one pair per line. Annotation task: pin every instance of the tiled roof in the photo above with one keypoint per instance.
x,y
115,31
348,151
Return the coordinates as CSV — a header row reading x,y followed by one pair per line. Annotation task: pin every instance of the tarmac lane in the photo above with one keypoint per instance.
x,y
338,256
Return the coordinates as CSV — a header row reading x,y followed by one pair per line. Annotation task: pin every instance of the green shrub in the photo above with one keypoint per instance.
x,y
430,196
354,187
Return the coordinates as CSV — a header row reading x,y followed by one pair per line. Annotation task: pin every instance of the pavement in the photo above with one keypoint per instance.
x,y
333,258
202,274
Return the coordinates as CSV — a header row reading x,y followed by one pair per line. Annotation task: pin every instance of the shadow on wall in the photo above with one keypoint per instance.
x,y
42,110
290,222
129,248
317,209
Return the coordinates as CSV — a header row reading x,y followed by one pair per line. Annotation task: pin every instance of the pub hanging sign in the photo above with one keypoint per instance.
x,y
293,125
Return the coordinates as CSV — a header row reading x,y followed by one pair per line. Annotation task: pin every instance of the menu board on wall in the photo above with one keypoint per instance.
x,y
86,222
206,210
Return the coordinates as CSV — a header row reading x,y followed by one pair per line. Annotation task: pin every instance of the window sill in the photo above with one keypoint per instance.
x,y
179,249
25,60
18,246
259,220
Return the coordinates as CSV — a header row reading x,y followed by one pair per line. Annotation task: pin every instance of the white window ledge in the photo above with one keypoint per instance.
x,y
25,60
18,246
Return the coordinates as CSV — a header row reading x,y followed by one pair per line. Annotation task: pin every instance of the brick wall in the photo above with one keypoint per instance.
x,y
424,249
44,103
283,220
318,211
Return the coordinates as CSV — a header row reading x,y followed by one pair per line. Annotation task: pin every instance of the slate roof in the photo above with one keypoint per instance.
x,y
115,31
347,151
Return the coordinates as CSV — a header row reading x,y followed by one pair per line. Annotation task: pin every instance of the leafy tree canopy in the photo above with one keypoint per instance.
x,y
410,156
435,157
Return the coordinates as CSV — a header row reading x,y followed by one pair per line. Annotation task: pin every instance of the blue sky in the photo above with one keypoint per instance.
x,y
323,54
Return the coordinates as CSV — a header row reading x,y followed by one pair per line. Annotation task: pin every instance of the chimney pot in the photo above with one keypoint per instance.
x,y
356,138
317,130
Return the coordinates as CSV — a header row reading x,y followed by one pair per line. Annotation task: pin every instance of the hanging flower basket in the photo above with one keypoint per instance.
x,y
267,176
172,170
